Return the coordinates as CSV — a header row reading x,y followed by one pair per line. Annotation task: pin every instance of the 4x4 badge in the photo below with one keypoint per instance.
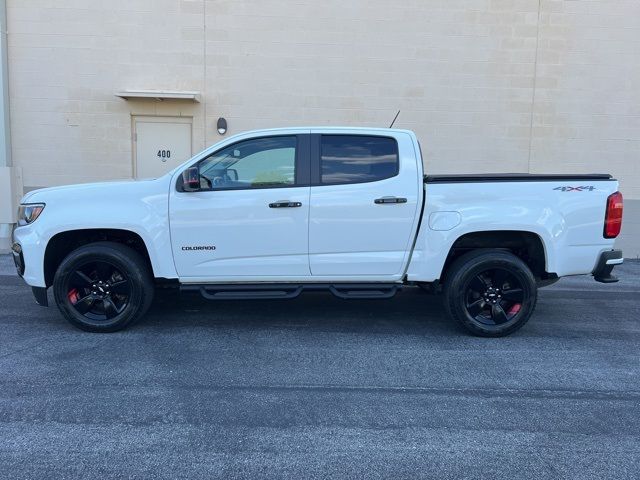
x,y
576,189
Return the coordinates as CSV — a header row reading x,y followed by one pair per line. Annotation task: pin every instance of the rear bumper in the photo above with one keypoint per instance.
x,y
607,261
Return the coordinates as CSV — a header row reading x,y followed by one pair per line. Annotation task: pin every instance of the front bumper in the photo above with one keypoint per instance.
x,y
604,267
39,293
31,245
18,258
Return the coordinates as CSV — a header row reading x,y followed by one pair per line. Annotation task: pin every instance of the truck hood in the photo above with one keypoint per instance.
x,y
98,191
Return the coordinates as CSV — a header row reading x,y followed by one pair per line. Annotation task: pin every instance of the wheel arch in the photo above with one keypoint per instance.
x,y
526,245
63,243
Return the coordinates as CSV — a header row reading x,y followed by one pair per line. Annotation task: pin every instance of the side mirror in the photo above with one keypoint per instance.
x,y
191,179
232,173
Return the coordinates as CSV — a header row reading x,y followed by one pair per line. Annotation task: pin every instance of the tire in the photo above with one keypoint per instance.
x,y
103,287
491,293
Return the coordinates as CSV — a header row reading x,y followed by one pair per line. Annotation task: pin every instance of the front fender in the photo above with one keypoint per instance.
x,y
138,207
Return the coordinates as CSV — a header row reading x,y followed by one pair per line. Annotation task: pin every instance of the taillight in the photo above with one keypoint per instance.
x,y
613,216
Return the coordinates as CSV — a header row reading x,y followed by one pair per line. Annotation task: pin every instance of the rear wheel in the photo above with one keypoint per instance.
x,y
492,293
103,287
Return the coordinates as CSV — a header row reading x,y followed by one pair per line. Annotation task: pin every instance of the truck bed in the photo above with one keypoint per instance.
x,y
513,177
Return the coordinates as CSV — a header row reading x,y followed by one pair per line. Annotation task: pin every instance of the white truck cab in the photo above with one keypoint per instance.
x,y
271,213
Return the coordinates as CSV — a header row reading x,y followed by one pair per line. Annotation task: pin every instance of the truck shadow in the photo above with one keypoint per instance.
x,y
410,312
411,309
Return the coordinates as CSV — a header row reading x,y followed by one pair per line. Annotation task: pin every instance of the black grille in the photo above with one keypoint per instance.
x,y
18,259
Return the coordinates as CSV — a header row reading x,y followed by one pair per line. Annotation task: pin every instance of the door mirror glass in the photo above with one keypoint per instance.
x,y
233,174
191,179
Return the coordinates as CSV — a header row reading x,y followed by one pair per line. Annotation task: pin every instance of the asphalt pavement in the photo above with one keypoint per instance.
x,y
319,387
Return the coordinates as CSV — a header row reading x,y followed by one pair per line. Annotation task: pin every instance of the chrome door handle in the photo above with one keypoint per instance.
x,y
285,204
390,200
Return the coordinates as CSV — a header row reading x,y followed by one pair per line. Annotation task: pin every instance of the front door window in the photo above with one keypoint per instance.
x,y
257,163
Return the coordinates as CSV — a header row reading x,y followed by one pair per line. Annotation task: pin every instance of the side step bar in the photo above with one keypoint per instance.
x,y
291,290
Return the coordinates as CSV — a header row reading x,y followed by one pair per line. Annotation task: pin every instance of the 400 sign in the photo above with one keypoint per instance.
x,y
164,155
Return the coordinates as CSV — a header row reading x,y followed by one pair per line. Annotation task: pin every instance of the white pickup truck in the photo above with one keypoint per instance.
x,y
272,213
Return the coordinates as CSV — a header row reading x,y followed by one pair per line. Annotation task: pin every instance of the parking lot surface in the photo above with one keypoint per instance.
x,y
320,387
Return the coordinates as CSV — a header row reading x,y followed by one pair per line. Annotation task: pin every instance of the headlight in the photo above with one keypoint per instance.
x,y
28,213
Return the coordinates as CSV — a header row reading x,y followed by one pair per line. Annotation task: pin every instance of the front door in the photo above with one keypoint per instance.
x,y
160,144
249,221
364,205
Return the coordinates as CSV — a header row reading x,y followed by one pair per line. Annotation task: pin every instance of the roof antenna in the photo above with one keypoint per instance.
x,y
394,119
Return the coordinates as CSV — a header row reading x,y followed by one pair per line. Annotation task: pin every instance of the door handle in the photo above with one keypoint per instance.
x,y
285,204
390,200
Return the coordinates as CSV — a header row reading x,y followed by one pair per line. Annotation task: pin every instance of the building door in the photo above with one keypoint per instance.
x,y
160,144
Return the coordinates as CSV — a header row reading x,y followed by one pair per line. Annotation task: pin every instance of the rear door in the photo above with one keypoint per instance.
x,y
365,198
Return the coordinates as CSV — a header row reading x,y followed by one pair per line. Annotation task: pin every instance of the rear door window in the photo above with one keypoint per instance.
x,y
357,159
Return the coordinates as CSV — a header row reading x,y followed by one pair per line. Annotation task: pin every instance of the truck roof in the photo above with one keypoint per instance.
x,y
328,128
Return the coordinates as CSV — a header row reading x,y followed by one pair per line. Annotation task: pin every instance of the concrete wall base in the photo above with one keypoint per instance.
x,y
5,237
10,193
629,239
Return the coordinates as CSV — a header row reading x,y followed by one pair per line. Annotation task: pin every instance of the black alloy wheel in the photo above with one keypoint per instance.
x,y
98,290
494,297
103,286
491,293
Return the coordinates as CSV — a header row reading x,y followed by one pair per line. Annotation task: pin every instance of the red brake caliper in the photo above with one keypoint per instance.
x,y
515,308
73,296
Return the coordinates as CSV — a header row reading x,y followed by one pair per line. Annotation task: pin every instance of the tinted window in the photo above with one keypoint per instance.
x,y
357,158
256,163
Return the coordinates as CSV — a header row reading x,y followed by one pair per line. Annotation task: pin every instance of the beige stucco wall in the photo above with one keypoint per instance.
x,y
488,85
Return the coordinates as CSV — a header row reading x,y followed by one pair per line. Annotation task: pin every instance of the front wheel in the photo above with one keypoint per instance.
x,y
492,293
103,287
